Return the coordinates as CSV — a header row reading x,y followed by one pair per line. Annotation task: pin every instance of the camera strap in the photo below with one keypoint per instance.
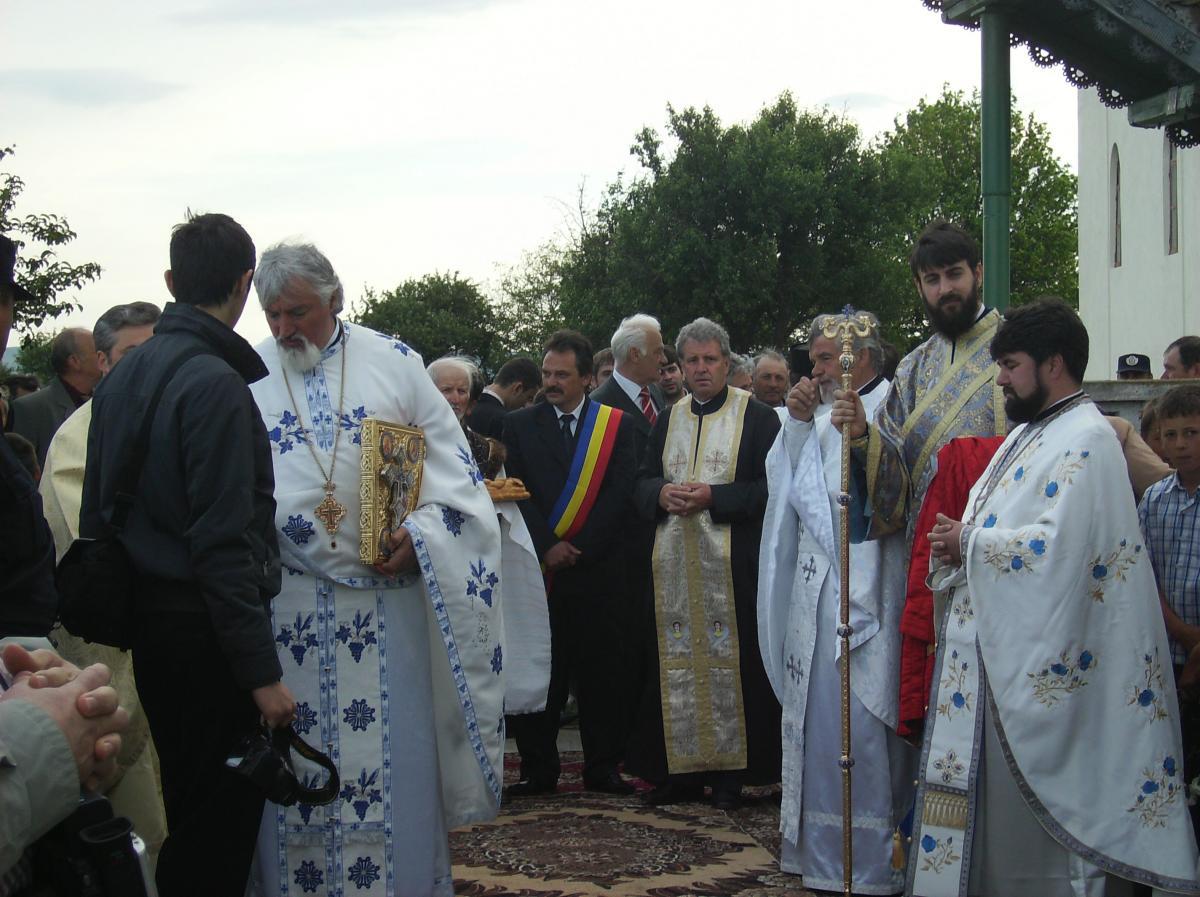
x,y
286,740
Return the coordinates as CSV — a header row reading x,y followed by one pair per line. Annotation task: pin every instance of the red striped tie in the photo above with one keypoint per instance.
x,y
647,405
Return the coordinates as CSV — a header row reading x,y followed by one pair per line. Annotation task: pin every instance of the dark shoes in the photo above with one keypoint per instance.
x,y
609,784
674,793
530,788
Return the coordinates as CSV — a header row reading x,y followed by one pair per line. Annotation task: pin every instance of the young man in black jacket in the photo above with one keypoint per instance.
x,y
202,540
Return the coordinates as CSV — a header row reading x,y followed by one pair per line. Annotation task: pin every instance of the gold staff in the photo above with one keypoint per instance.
x,y
851,324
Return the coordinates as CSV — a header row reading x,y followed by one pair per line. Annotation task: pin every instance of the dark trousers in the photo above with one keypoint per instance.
x,y
585,640
198,716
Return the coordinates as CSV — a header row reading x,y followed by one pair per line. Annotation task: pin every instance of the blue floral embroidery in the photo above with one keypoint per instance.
x,y
362,793
1105,568
309,780
1064,473
961,608
497,660
453,519
1149,692
1016,556
353,422
954,683
396,344
1051,489
938,854
298,529
359,715
1020,473
288,433
990,521
298,639
305,719
364,873
1157,793
468,461
1061,678
357,635
308,876
482,583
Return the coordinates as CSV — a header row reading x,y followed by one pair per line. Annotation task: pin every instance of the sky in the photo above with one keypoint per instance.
x,y
405,137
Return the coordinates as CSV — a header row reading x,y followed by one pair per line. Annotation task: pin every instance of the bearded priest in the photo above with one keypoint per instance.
x,y
799,593
1051,762
396,668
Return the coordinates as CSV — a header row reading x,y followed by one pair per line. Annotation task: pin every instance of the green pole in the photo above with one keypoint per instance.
x,y
996,156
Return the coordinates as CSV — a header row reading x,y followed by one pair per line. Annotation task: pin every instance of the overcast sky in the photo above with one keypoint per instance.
x,y
408,136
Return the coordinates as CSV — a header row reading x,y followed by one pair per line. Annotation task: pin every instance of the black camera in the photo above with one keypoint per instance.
x,y
92,853
265,758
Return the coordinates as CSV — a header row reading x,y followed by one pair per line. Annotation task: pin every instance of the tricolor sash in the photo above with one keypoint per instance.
x,y
594,442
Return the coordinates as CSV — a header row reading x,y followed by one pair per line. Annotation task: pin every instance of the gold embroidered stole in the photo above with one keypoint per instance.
x,y
704,722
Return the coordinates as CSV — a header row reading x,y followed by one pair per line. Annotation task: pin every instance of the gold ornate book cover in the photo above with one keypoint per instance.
x,y
393,458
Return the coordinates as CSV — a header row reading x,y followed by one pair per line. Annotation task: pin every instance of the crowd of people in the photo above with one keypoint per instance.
x,y
654,529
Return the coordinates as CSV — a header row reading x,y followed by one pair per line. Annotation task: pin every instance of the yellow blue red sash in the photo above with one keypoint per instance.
x,y
594,441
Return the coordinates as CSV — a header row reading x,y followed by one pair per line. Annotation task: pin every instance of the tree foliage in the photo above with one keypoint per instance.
x,y
39,269
35,355
438,314
762,226
528,304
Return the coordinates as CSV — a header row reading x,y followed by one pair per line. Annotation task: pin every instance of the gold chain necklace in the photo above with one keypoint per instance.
x,y
330,511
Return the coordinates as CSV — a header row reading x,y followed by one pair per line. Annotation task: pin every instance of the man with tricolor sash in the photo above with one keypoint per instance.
x,y
710,717
576,458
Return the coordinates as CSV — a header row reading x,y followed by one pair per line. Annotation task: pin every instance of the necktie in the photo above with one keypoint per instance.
x,y
568,439
647,405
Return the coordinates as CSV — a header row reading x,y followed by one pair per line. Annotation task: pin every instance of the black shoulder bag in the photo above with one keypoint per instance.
x,y
96,577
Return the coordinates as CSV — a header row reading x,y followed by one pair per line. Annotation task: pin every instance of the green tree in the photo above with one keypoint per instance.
x,y
39,269
758,227
35,355
438,314
930,169
528,302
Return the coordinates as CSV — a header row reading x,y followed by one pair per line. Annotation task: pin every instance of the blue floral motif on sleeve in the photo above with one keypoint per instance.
x,y
396,344
482,583
955,683
353,421
299,639
298,529
1016,555
497,660
305,719
468,461
357,634
1149,692
1110,567
1157,793
363,873
990,521
359,715
1063,677
309,877
453,519
361,793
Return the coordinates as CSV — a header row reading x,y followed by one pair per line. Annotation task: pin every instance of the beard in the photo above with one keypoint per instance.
x,y
300,360
954,323
1023,410
827,390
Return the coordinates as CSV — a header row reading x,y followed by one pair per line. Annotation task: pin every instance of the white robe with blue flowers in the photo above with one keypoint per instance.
x,y
399,680
1053,666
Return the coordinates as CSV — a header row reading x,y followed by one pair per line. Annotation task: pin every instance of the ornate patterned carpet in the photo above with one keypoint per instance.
x,y
577,843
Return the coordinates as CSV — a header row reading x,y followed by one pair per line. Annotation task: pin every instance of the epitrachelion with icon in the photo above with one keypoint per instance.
x,y
393,457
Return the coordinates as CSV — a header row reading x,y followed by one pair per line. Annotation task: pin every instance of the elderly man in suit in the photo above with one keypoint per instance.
x,y
576,458
76,372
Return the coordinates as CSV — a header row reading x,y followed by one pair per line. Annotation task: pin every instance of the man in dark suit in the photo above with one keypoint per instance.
x,y
639,353
583,559
516,383
76,372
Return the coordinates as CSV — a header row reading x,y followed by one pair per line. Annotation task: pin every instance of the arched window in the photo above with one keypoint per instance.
x,y
1171,194
1114,218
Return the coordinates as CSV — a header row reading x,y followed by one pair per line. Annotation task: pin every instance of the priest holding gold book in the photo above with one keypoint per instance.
x,y
396,663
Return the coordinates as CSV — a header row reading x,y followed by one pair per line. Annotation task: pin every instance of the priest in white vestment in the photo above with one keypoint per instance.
x,y
397,668
799,601
1051,762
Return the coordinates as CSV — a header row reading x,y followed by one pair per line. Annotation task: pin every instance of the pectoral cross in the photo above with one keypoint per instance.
x,y
794,669
330,512
810,569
